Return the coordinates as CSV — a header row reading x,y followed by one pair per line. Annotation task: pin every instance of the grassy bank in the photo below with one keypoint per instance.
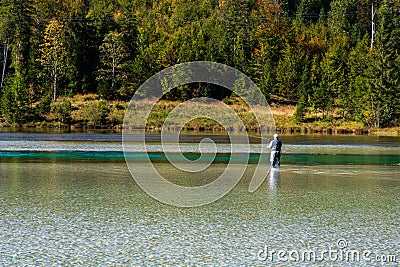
x,y
85,112
286,122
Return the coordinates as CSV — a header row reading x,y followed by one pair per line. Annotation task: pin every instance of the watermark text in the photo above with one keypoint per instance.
x,y
339,252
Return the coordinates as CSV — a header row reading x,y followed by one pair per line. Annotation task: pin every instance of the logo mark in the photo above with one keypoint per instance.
x,y
151,91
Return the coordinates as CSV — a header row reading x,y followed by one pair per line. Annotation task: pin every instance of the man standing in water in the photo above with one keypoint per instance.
x,y
276,147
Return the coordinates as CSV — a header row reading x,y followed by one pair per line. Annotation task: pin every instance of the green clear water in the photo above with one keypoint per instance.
x,y
220,158
65,207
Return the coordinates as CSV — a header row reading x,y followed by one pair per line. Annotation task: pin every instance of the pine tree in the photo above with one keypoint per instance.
x,y
238,28
302,90
16,31
355,96
383,73
288,73
14,100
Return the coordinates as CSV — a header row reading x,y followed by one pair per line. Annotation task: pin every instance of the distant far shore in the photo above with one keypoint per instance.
x,y
300,130
88,113
201,129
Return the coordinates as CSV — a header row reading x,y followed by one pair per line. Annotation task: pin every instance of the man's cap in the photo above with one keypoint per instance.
x,y
275,135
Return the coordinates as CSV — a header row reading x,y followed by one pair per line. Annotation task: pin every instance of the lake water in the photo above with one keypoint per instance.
x,y
69,199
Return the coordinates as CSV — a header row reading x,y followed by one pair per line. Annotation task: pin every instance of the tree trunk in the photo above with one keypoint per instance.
x,y
376,118
4,66
55,83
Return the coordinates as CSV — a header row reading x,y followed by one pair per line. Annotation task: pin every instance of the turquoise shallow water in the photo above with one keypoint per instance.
x,y
299,158
103,147
81,207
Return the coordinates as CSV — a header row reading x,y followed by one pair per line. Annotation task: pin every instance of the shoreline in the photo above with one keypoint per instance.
x,y
88,113
299,130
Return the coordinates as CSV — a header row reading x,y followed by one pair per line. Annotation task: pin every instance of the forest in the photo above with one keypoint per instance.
x,y
336,58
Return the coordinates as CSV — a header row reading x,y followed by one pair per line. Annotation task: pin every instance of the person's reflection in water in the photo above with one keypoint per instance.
x,y
274,177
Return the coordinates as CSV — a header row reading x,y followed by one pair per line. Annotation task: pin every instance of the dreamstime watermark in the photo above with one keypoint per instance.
x,y
338,252
151,91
